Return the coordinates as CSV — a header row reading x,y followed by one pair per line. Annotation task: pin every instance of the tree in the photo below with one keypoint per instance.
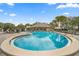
x,y
53,24
26,25
61,21
1,26
20,28
76,21
8,27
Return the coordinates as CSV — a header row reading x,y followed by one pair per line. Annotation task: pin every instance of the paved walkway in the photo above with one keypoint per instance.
x,y
76,37
2,38
5,36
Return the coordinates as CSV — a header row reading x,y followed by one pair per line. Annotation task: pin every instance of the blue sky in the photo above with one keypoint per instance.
x,y
35,12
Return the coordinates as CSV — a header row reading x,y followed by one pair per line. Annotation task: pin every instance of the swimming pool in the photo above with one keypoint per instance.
x,y
40,41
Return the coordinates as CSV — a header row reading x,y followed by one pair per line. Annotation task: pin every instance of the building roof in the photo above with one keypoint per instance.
x,y
41,25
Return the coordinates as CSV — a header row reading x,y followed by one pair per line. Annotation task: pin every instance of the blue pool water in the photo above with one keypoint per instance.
x,y
40,40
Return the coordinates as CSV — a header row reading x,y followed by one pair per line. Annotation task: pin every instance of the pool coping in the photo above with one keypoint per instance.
x,y
9,49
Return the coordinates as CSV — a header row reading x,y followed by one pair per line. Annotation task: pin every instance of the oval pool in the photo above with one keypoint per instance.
x,y
40,41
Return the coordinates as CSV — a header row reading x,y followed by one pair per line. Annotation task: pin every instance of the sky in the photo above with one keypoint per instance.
x,y
17,13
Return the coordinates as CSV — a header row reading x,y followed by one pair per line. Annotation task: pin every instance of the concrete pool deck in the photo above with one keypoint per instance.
x,y
2,38
69,50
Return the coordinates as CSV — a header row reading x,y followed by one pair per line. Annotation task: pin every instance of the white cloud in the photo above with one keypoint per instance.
x,y
66,13
1,10
68,5
11,4
51,3
12,14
